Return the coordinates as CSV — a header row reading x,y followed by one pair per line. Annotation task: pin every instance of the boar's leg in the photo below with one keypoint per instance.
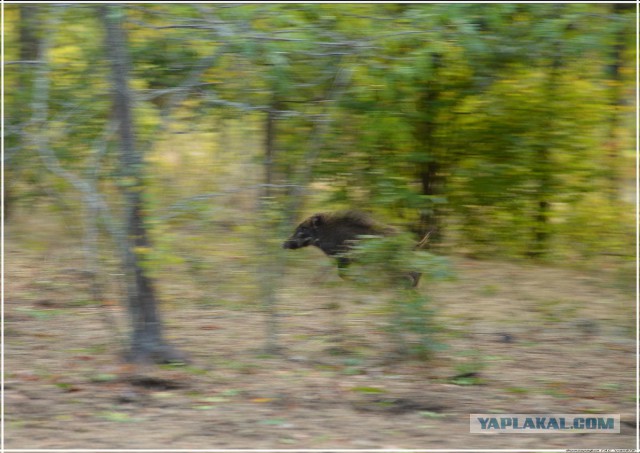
x,y
343,264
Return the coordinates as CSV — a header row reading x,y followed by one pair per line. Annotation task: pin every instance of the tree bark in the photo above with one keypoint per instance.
x,y
543,164
614,70
269,145
147,342
28,48
429,169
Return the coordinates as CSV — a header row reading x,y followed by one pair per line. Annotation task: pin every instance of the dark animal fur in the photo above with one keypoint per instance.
x,y
334,234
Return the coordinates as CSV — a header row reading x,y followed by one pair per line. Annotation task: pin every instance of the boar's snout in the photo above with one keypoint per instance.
x,y
290,244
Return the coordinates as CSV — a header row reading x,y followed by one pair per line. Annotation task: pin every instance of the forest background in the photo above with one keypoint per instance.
x,y
163,152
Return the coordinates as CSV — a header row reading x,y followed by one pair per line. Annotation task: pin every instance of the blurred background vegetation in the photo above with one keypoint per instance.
x,y
506,129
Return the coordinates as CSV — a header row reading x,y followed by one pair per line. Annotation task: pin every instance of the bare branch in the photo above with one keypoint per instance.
x,y
8,63
93,203
193,79
39,139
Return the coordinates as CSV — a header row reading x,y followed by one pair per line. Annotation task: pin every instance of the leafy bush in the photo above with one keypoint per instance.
x,y
386,262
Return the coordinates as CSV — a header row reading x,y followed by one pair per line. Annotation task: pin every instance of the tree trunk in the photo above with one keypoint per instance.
x,y
147,343
617,102
429,169
430,217
269,145
27,27
271,267
543,164
28,47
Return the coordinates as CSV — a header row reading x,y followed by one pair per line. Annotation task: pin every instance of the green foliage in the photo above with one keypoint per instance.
x,y
414,321
515,106
385,262
481,90
380,261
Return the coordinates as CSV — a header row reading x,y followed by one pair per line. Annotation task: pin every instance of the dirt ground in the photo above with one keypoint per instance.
x,y
519,338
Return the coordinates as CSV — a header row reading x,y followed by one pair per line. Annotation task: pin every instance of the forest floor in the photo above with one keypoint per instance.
x,y
520,338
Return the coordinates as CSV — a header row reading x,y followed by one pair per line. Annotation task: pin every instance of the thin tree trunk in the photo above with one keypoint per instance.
x,y
301,179
302,176
430,180
269,145
617,103
29,49
272,265
147,342
543,165
93,205
429,170
28,44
